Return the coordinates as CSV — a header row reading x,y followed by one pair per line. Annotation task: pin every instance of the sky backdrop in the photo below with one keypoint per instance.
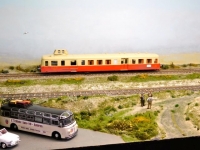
x,y
97,26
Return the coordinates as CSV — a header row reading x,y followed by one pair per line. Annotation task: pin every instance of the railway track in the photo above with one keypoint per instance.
x,y
96,92
130,73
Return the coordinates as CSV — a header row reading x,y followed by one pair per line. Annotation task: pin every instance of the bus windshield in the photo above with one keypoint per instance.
x,y
66,119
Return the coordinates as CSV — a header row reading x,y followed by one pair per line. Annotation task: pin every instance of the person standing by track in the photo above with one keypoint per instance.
x,y
142,100
149,100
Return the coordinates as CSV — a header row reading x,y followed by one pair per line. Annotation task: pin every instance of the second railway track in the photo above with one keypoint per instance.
x,y
97,92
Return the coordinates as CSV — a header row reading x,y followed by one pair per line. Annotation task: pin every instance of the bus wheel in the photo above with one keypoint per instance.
x,y
3,145
56,135
14,127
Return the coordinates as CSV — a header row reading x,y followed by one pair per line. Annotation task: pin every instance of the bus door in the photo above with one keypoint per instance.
x,y
124,64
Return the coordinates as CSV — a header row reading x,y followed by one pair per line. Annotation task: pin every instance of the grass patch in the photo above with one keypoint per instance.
x,y
12,82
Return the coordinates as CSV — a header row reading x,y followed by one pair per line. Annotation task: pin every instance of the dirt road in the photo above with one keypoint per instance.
x,y
172,119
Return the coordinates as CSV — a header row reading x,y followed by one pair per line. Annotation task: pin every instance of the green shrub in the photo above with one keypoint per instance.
x,y
120,106
165,66
109,109
4,71
11,67
176,105
187,118
172,65
193,65
184,65
112,78
173,111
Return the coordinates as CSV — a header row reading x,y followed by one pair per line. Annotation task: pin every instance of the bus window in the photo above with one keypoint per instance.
x,y
30,117
14,114
38,119
54,116
22,116
6,113
22,110
31,112
1,112
38,113
14,109
54,122
47,115
46,120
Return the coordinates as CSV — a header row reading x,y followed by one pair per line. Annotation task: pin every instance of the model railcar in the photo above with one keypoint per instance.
x,y
61,61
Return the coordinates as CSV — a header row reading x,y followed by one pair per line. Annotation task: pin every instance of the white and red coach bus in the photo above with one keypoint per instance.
x,y
23,115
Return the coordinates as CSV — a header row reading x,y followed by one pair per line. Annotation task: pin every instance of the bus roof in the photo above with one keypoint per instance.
x,y
39,108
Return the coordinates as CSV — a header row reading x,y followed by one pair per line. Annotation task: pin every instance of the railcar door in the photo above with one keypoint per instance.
x,y
124,64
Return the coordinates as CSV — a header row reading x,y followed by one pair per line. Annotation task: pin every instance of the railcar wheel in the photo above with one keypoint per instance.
x,y
3,145
14,127
56,136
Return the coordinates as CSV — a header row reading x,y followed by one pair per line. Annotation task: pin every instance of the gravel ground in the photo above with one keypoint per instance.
x,y
95,86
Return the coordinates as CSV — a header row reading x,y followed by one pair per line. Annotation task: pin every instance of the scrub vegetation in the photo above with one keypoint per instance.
x,y
79,80
113,114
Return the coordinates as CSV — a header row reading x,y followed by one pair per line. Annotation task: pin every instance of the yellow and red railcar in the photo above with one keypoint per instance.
x,y
61,61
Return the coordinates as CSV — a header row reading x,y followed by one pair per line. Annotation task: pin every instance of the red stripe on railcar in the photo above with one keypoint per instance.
x,y
97,68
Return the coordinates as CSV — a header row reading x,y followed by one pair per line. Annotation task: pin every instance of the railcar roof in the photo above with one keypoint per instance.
x,y
39,108
93,56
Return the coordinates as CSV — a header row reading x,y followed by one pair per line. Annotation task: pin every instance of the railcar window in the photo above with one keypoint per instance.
x,y
54,63
149,61
58,51
90,62
82,62
141,61
156,61
108,62
62,63
133,61
115,61
46,63
99,62
124,60
73,62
